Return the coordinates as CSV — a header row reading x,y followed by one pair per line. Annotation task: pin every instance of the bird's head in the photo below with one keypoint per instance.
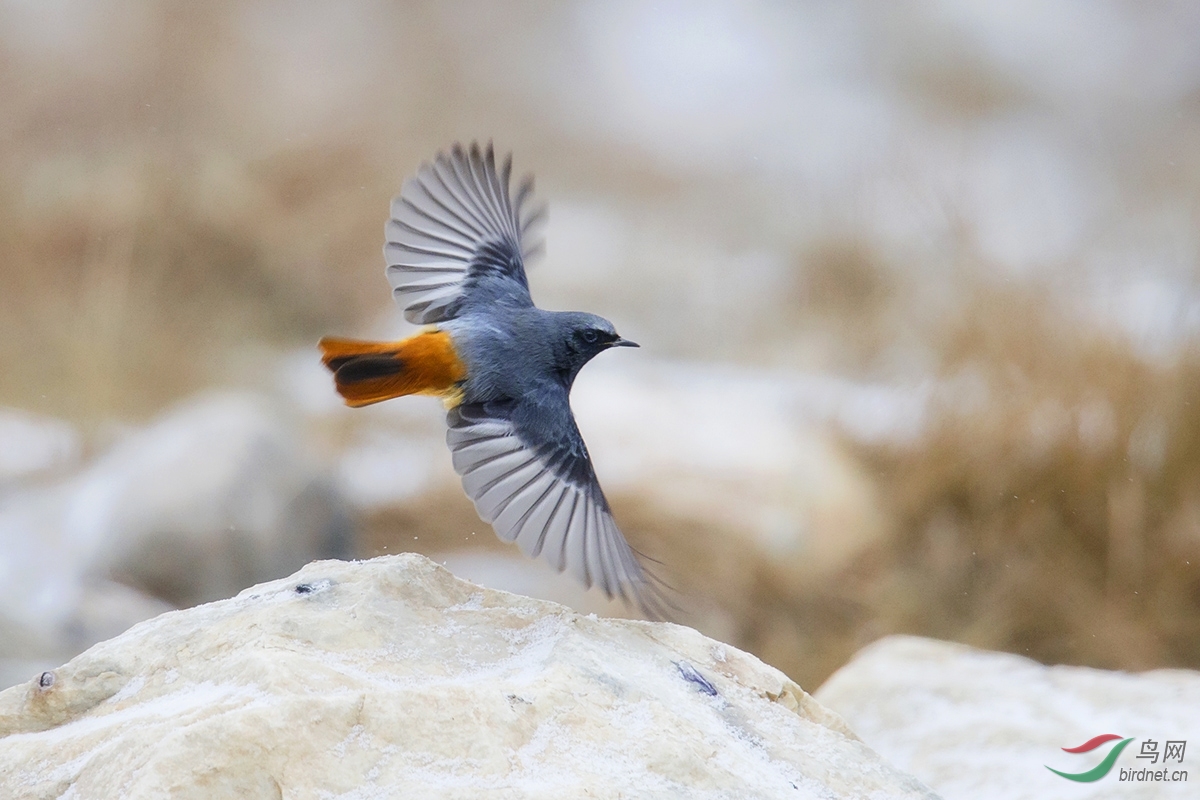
x,y
583,337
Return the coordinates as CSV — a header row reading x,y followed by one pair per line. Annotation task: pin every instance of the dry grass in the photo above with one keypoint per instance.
x,y
1058,517
116,312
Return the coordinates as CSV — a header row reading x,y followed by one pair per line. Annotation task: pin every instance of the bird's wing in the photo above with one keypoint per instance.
x,y
457,236
527,469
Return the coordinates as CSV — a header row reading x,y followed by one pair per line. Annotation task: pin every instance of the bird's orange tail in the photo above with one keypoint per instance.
x,y
369,372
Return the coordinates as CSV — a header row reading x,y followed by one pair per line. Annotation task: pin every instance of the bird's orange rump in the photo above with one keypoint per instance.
x,y
370,372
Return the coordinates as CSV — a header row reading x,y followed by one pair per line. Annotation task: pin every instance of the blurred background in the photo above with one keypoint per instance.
x,y
917,286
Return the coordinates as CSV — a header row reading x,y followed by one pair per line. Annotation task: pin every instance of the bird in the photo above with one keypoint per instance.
x,y
456,247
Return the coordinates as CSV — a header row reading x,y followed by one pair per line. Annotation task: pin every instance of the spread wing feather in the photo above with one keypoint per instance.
x,y
534,483
457,236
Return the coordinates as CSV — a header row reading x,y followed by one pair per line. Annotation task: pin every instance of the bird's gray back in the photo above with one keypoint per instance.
x,y
508,351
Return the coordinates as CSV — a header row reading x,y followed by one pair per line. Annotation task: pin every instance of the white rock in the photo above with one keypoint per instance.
x,y
977,725
391,678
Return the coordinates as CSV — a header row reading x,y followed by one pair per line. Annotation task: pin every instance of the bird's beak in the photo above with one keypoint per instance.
x,y
625,343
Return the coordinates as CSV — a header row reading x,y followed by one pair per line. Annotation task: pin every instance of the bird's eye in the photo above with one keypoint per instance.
x,y
590,336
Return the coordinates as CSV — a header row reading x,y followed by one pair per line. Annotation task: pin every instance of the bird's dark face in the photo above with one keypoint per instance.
x,y
585,336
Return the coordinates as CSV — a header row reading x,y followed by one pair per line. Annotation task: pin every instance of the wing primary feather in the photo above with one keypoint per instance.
x,y
574,549
519,525
462,214
483,452
533,525
426,251
506,502
470,231
486,164
541,540
452,166
523,193
457,164
476,480
447,268
534,218
401,259
599,555
417,288
479,453
635,584
407,212
487,487
649,592
564,539
492,501
633,570
596,550
474,431
464,430
618,564
556,541
439,193
505,179
483,184
502,209
483,462
589,538
474,181
528,493
465,246
612,547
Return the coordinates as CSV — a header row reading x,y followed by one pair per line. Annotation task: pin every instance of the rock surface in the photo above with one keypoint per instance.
x,y
392,678
977,725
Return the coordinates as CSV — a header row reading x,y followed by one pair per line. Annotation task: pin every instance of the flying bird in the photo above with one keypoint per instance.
x,y
457,243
